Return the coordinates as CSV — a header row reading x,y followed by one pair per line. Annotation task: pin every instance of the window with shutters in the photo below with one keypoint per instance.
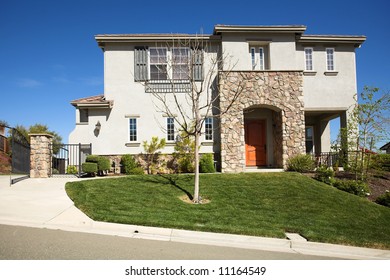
x,y
160,67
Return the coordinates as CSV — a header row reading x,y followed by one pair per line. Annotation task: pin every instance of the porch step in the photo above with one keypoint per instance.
x,y
262,169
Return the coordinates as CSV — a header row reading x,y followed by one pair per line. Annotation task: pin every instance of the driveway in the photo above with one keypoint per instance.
x,y
38,202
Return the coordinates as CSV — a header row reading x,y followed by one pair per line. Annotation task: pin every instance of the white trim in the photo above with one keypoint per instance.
x,y
132,116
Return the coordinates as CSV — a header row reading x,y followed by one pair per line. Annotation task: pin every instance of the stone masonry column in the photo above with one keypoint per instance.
x,y
40,156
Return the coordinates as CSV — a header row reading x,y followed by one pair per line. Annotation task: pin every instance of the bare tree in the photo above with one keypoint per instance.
x,y
184,84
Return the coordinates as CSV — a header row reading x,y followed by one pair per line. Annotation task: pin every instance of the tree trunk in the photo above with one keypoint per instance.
x,y
197,145
196,186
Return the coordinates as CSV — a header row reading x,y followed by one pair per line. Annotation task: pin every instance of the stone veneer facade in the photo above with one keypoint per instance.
x,y
280,91
40,155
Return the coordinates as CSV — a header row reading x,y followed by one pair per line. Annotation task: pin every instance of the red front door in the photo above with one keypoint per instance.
x,y
255,143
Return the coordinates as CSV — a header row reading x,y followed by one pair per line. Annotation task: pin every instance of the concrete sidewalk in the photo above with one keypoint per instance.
x,y
43,203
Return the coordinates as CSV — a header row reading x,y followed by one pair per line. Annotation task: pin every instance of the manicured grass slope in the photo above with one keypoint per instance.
x,y
251,204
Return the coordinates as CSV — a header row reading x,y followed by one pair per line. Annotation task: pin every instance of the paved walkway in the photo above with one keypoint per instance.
x,y
43,203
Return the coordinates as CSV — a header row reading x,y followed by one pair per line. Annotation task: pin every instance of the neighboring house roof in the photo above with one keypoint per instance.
x,y
385,147
97,101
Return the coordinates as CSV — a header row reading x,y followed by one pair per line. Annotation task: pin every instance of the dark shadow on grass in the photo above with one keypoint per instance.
x,y
171,180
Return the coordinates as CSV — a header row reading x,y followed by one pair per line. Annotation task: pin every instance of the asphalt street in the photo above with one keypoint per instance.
x,y
25,243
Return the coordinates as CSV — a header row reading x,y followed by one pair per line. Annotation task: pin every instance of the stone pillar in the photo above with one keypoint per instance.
x,y
40,156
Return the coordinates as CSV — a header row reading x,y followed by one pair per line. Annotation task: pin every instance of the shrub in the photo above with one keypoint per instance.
x,y
90,168
92,158
380,162
103,163
184,154
384,199
71,169
152,153
300,163
206,163
130,165
358,188
325,175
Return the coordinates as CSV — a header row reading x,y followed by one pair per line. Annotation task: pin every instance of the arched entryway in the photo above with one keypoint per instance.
x,y
263,136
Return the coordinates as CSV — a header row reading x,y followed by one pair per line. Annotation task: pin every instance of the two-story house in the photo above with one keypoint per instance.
x,y
293,84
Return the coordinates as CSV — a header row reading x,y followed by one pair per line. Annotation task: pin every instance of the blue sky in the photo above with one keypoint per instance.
x,y
48,54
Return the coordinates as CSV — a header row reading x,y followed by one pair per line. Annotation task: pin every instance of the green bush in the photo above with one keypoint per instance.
x,y
90,168
92,158
380,162
358,188
384,199
130,165
71,169
206,163
325,175
103,163
301,163
184,154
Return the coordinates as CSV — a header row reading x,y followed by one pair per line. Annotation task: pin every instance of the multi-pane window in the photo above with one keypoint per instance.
x,y
84,115
308,59
208,128
170,129
261,62
253,58
133,129
258,58
309,139
158,64
180,63
330,59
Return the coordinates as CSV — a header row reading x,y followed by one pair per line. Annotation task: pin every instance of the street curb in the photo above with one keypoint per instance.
x,y
217,239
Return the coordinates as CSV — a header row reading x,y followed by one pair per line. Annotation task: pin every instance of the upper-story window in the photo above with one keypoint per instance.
x,y
84,114
158,64
330,59
258,58
180,63
309,59
164,64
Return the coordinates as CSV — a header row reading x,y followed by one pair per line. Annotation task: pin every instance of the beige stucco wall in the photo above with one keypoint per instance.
x,y
130,100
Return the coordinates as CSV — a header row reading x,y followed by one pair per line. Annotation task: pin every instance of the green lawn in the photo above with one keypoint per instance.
x,y
257,204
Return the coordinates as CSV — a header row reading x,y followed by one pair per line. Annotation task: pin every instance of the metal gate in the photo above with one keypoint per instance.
x,y
67,159
15,153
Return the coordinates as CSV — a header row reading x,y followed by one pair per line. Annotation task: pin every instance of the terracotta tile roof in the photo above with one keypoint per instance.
x,y
93,101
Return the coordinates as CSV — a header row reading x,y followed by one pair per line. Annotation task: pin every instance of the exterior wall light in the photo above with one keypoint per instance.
x,y
98,126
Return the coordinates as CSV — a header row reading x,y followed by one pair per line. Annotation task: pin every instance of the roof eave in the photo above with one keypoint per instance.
x,y
357,41
218,29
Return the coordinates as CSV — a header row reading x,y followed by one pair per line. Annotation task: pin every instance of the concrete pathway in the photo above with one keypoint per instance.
x,y
43,203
